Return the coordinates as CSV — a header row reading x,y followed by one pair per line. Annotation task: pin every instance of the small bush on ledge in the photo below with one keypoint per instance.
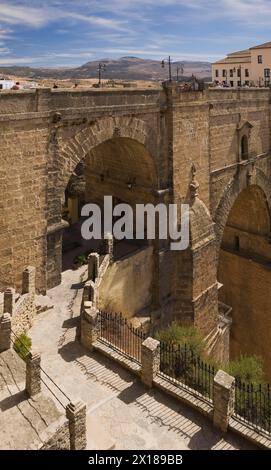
x,y
22,345
176,334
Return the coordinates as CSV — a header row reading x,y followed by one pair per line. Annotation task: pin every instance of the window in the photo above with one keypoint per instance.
x,y
247,83
231,72
231,83
237,243
260,59
217,73
266,73
244,148
246,73
239,83
224,73
239,72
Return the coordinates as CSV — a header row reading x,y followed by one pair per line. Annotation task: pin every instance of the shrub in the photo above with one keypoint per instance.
x,y
246,369
22,345
80,260
176,334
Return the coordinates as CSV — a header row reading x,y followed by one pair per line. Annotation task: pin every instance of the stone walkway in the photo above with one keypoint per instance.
x,y
131,416
22,419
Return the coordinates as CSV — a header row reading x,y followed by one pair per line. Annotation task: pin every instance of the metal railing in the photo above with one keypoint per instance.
x,y
53,384
181,366
121,335
253,405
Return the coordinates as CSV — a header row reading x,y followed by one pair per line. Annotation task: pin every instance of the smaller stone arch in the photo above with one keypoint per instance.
x,y
243,132
249,176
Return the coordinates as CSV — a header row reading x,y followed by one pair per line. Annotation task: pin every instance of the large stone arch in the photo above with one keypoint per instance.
x,y
70,145
234,188
71,152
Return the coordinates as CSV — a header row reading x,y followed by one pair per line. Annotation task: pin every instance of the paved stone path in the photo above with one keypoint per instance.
x,y
133,417
22,419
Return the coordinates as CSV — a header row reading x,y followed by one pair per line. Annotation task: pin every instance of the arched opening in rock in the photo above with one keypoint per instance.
x,y
121,168
244,148
245,275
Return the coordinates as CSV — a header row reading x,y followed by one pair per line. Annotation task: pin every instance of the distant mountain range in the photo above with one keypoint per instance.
x,y
125,68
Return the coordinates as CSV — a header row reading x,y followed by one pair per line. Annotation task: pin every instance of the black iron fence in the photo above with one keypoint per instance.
x,y
121,335
253,405
184,368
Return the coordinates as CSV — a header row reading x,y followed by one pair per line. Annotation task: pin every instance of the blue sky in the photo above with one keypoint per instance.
x,y
72,32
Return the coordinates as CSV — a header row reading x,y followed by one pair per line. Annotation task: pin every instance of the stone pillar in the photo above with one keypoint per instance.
x,y
9,300
223,399
93,266
150,360
90,325
109,246
76,414
33,374
5,332
89,293
29,280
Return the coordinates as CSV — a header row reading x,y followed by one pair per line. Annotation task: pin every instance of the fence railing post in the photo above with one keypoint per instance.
x,y
76,414
89,293
223,399
150,360
9,300
33,374
109,246
90,325
29,280
5,332
93,266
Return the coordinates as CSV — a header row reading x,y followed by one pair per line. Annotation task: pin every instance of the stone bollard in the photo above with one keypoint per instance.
x,y
150,360
76,413
29,280
90,325
93,266
33,374
5,332
9,300
223,399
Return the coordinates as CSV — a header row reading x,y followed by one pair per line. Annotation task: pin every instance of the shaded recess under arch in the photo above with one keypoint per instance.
x,y
244,270
119,167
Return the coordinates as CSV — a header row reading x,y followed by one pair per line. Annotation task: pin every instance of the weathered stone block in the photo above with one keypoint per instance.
x,y
76,414
29,281
5,332
90,325
223,399
150,360
33,374
9,300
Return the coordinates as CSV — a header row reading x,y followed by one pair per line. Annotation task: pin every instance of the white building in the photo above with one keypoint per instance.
x,y
6,84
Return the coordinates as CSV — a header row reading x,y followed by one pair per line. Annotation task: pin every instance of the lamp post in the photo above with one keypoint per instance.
x,y
163,63
101,68
240,75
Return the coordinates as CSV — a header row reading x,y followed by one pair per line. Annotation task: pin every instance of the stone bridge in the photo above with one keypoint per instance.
x,y
210,148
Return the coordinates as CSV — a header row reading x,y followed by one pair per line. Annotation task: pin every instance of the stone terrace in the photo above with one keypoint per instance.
x,y
131,417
